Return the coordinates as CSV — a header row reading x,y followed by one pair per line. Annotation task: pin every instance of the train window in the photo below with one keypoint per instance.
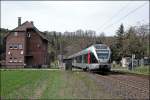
x,y
79,59
102,51
93,59
101,47
86,58
102,55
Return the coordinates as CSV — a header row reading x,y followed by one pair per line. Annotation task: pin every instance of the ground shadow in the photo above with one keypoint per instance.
x,y
100,72
109,73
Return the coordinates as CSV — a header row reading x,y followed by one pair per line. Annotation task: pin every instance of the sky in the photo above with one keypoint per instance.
x,y
61,16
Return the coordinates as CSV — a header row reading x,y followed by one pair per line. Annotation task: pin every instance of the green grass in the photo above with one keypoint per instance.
x,y
73,85
21,83
54,85
143,70
49,84
117,66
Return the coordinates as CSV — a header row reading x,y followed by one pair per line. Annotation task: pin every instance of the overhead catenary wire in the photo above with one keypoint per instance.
x,y
131,12
117,13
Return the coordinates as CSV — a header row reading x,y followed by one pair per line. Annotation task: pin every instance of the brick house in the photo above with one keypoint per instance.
x,y
26,46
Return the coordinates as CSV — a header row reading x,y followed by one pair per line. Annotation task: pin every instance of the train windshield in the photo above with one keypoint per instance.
x,y
100,47
102,55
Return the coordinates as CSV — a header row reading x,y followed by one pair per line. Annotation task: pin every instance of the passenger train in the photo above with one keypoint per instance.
x,y
95,57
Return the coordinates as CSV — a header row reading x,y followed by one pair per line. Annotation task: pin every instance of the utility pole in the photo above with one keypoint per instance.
x,y
55,44
61,55
133,56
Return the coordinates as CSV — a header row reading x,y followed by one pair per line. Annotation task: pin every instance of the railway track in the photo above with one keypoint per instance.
x,y
137,83
123,86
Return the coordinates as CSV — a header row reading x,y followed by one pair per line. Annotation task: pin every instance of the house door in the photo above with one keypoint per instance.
x,y
29,61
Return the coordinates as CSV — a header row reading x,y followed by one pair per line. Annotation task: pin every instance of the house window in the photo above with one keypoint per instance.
x,y
38,45
10,46
10,59
21,52
9,52
20,46
15,59
16,34
15,46
20,60
28,35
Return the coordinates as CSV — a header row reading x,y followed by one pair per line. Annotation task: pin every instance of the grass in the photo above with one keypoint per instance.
x,y
48,84
144,70
117,66
25,81
54,85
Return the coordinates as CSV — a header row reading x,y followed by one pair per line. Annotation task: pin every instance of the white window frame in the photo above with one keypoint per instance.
x,y
20,46
29,35
21,52
9,52
10,61
15,33
20,61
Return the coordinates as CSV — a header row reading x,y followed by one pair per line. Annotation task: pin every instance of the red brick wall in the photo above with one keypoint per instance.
x,y
15,53
37,48
33,46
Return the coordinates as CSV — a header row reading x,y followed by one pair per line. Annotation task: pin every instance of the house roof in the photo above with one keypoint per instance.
x,y
24,26
28,25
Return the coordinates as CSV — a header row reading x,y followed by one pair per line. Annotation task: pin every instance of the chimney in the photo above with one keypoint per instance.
x,y
19,21
32,22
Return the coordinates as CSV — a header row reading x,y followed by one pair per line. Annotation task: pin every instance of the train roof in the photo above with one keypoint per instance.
x,y
91,48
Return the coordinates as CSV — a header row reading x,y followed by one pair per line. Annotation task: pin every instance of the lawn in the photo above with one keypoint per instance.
x,y
49,84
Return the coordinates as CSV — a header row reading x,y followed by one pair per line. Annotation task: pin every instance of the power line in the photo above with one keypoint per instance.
x,y
126,15
118,12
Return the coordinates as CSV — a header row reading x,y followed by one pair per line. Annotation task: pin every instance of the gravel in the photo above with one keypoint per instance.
x,y
124,86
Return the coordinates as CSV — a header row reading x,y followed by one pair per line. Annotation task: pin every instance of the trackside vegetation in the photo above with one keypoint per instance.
x,y
144,70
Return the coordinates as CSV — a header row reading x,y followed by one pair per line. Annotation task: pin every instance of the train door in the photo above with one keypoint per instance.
x,y
89,57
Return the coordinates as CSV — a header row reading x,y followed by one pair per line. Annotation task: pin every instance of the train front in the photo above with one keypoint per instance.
x,y
103,53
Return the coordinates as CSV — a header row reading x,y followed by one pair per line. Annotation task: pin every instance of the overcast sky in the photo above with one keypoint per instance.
x,y
72,15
